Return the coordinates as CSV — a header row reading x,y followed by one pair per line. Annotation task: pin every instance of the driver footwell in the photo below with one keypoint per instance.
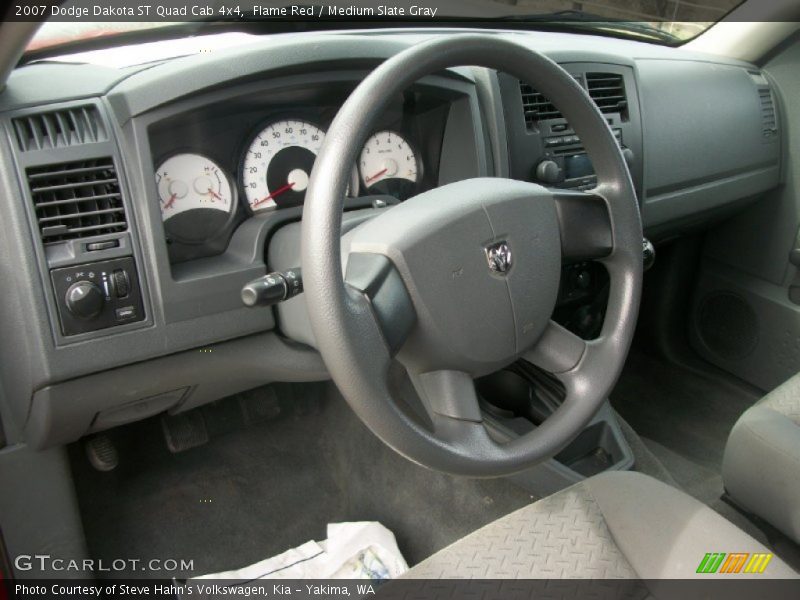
x,y
257,489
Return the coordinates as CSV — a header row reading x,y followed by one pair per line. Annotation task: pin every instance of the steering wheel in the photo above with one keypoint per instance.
x,y
461,281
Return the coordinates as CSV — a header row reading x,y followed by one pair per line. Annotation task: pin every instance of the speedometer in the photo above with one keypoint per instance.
x,y
278,163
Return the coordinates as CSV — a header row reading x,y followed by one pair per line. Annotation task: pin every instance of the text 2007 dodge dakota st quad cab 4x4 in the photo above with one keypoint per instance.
x,y
463,291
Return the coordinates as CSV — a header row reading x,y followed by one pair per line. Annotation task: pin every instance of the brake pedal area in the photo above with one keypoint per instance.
x,y
184,431
260,405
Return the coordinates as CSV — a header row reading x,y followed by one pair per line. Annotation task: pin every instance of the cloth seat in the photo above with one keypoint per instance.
x,y
613,525
761,466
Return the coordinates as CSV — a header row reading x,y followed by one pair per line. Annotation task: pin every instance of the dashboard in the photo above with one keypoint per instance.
x,y
139,199
219,165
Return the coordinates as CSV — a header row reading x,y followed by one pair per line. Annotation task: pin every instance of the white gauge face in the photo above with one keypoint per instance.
x,y
278,164
387,155
189,182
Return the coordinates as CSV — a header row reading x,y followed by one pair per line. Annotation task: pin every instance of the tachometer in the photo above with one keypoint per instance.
x,y
388,165
196,197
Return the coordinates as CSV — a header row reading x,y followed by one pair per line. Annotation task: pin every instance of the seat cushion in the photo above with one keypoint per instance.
x,y
761,466
614,525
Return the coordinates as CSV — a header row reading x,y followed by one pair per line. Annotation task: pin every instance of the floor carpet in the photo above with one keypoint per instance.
x,y
684,416
255,491
261,486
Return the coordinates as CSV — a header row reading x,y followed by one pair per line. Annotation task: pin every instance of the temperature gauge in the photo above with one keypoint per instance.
x,y
196,197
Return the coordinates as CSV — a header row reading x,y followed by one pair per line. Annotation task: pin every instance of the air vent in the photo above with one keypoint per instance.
x,y
608,92
536,107
60,129
77,199
606,89
769,121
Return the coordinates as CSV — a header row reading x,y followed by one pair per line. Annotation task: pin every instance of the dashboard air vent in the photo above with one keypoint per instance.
x,y
535,106
608,92
76,199
60,129
769,122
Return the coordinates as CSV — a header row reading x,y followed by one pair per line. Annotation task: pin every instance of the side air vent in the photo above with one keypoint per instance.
x,y
769,121
536,107
76,199
608,92
60,129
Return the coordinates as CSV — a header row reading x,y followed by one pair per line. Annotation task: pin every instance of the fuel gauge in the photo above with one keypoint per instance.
x,y
196,197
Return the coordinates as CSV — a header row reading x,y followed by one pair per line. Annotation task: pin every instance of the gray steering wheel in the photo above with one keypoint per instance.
x,y
461,281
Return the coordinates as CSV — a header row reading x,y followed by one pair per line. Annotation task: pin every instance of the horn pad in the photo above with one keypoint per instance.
x,y
481,260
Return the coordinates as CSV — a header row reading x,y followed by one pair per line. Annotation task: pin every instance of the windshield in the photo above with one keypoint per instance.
x,y
659,21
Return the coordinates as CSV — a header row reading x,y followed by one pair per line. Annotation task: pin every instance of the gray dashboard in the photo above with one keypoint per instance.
x,y
696,126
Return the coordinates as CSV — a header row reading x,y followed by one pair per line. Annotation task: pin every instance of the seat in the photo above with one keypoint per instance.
x,y
613,525
761,466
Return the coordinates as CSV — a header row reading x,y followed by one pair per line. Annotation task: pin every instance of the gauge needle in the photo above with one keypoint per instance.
x,y
215,194
378,174
278,192
171,201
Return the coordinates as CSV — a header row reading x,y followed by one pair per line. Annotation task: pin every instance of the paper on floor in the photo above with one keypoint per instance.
x,y
362,550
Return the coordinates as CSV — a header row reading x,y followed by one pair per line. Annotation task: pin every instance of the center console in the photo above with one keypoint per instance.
x,y
544,148
518,399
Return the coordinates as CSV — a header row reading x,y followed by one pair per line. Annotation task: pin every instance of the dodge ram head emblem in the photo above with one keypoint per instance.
x,y
498,255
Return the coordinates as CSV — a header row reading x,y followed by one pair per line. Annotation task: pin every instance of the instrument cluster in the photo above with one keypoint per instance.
x,y
199,198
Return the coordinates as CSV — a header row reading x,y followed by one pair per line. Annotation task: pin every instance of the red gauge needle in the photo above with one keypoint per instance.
x,y
374,177
215,194
171,201
278,192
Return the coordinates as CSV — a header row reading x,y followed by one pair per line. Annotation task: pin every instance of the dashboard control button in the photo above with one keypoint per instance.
x,y
628,155
125,313
121,285
583,280
96,246
554,141
84,300
548,171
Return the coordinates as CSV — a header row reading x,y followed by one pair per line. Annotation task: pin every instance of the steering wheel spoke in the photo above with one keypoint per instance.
x,y
558,350
584,224
448,393
376,277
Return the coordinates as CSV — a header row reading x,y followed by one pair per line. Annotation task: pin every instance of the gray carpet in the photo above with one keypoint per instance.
x,y
258,489
255,491
685,410
684,417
